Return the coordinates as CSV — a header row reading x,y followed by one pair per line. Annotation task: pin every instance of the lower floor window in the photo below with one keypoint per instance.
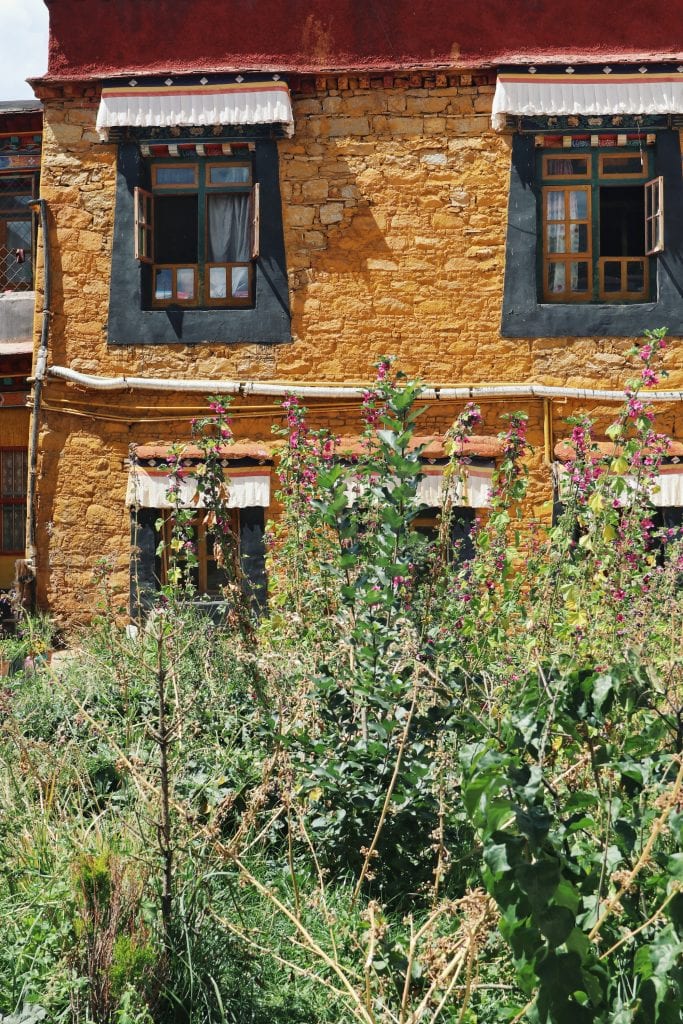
x,y
152,536
13,472
428,524
205,572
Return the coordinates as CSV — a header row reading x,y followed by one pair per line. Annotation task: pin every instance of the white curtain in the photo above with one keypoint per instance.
x,y
555,205
229,228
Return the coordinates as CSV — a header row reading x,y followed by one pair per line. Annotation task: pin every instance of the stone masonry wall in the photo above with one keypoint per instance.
x,y
394,207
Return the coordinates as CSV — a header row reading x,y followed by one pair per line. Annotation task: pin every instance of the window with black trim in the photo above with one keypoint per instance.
x,y
149,557
617,253
601,222
198,227
185,267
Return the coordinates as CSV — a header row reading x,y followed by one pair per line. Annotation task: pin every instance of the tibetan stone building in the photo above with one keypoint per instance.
x,y
255,198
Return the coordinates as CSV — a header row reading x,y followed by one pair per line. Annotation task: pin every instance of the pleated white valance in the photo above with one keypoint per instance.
x,y
237,104
431,488
248,487
666,490
532,95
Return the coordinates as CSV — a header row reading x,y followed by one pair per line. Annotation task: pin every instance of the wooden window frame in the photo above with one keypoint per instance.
x,y
174,268
624,175
174,186
144,221
567,258
236,303
143,205
229,186
201,529
13,501
562,155
653,240
624,294
654,221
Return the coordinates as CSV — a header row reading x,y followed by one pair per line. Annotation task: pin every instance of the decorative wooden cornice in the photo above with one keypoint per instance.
x,y
52,89
309,85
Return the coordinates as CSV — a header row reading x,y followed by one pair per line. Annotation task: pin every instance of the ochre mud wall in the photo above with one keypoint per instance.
x,y
394,208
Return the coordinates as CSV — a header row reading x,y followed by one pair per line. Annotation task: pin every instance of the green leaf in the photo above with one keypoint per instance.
x,y
556,923
539,881
495,857
674,866
642,962
602,687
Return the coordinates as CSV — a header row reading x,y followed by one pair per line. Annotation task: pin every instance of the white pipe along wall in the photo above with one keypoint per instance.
x,y
251,387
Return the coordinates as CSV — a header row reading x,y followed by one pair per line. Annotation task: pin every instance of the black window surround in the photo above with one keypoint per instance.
x,y
132,321
525,317
146,568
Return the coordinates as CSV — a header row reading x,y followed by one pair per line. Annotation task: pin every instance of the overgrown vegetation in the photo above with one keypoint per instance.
x,y
423,788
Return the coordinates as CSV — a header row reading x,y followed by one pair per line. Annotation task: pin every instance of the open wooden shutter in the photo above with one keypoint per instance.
x,y
654,216
144,225
256,222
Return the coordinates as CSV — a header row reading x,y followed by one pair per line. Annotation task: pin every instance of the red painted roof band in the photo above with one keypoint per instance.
x,y
101,38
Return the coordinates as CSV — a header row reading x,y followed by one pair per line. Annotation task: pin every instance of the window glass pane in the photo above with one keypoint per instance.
x,y
578,205
578,238
578,276
229,175
556,238
622,164
176,225
229,228
13,476
612,276
555,205
185,283
240,282
635,275
163,284
216,578
13,517
15,194
7,476
175,175
564,168
217,283
556,277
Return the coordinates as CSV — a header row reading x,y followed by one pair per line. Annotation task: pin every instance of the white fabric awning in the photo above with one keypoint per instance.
x,y
247,486
431,487
666,490
236,104
539,94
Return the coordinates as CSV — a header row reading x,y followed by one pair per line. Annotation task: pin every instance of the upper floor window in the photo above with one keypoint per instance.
x,y
198,227
602,221
17,225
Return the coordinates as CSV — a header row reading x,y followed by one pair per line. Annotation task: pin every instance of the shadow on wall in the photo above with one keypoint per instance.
x,y
399,243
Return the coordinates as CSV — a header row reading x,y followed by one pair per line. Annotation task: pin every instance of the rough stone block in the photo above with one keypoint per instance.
x,y
331,213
